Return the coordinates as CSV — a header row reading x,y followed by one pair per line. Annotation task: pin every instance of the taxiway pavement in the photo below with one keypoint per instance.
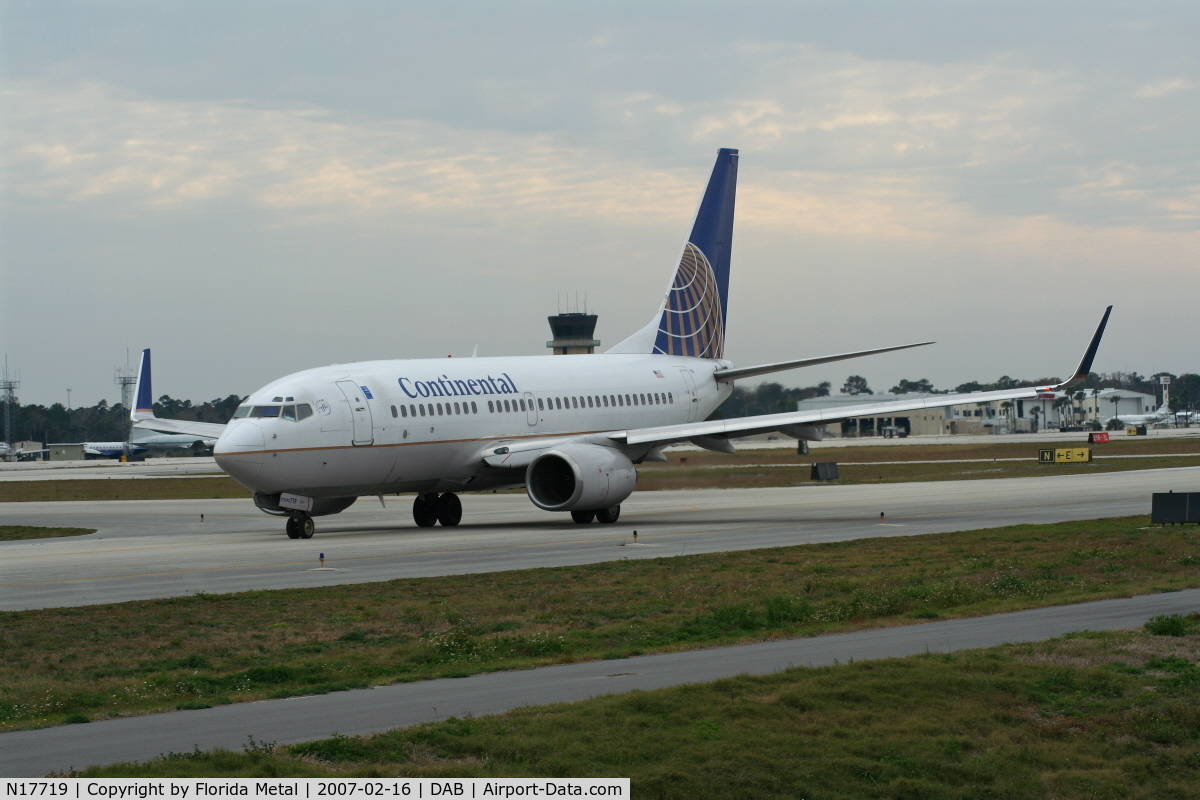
x,y
161,548
298,719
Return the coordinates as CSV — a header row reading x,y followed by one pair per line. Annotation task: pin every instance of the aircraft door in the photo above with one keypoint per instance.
x,y
531,414
691,399
360,413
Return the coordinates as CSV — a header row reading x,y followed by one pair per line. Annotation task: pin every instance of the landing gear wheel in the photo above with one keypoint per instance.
x,y
583,517
425,510
608,515
300,526
449,509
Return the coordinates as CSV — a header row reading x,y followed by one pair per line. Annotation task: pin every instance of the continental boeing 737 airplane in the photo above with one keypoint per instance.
x,y
570,429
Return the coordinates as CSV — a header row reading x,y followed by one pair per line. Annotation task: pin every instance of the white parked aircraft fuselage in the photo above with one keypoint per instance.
x,y
427,422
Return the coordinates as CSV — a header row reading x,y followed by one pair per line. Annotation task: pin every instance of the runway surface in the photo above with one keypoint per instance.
x,y
34,753
151,549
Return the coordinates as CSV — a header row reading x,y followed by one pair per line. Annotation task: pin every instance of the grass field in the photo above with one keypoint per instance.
x,y
1112,715
139,657
705,470
122,489
10,533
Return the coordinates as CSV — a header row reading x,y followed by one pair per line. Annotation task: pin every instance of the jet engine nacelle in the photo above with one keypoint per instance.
x,y
580,477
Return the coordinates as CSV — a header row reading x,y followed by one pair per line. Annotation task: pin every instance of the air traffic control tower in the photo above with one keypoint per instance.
x,y
573,333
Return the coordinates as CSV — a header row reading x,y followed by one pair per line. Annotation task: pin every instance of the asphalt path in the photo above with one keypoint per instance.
x,y
161,548
298,719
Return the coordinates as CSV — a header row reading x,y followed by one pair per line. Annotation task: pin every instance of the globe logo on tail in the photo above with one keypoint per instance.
x,y
692,322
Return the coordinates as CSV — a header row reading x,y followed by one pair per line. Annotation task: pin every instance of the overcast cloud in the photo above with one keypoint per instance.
x,y
252,189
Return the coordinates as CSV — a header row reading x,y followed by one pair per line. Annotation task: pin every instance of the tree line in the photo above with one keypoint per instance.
x,y
105,423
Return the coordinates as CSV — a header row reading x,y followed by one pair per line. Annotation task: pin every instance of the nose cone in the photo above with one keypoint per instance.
x,y
239,451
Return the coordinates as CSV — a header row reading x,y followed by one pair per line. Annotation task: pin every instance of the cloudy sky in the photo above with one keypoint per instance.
x,y
253,188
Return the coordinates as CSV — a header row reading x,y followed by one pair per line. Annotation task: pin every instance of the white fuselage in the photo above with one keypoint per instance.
x,y
1161,415
424,425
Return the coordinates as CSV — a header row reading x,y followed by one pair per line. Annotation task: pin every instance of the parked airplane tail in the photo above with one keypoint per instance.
x,y
143,404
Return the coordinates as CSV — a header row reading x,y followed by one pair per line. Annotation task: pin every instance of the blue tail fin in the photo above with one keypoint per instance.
x,y
696,306
143,404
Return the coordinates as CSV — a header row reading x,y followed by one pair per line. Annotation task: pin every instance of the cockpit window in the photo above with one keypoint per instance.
x,y
303,411
242,411
266,411
289,412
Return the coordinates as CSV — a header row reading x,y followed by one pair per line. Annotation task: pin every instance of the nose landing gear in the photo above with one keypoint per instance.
x,y
429,509
300,526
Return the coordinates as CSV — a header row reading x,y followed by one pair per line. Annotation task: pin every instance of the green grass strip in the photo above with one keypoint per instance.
x,y
205,650
1110,715
10,533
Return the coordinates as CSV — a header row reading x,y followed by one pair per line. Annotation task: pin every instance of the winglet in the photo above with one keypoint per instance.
x,y
143,404
1085,366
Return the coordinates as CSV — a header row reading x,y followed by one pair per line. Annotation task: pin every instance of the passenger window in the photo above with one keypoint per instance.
x,y
422,407
557,403
506,407
643,400
628,402
541,405
412,411
492,410
403,411
605,399
474,408
589,402
439,408
303,411
289,412
670,397
457,410
395,412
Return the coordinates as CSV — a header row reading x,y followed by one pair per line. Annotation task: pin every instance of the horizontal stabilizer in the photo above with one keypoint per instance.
x,y
731,375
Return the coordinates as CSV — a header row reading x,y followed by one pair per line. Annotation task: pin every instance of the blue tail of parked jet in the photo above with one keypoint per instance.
x,y
143,404
696,306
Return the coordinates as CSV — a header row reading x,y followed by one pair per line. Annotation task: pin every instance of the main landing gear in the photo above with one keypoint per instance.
x,y
604,515
431,508
300,526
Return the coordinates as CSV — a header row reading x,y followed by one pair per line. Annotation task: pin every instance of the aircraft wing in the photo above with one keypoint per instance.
x,y
202,430
719,430
748,426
